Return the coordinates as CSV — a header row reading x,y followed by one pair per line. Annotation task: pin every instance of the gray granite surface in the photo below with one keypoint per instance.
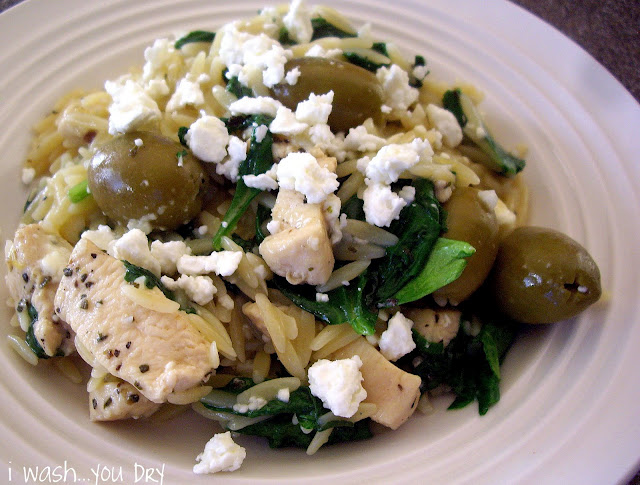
x,y
609,30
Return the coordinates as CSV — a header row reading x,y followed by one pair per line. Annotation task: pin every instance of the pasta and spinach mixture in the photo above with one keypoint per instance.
x,y
287,227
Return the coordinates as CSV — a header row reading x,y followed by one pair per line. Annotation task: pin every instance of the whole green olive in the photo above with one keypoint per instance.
x,y
470,219
146,176
543,276
357,94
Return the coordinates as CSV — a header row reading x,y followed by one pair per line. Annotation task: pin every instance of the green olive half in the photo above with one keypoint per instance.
x,y
142,175
471,220
357,94
543,276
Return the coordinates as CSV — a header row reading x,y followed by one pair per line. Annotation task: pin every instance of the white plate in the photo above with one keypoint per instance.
x,y
568,413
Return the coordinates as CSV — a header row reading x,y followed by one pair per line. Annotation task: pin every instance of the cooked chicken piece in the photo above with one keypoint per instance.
x,y
116,399
158,351
394,391
435,325
35,261
300,250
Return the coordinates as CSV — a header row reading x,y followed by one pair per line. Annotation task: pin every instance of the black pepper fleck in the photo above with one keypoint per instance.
x,y
128,345
45,281
101,337
67,272
107,403
84,277
116,352
144,368
133,398
25,277
94,255
84,304
89,284
118,367
94,402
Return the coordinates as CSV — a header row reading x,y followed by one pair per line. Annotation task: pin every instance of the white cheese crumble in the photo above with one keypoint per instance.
x,y
338,384
381,205
28,174
397,339
255,403
131,108
391,160
398,94
168,253
255,106
263,181
230,166
198,288
446,123
221,454
283,394
317,50
316,109
285,123
298,22
243,53
222,263
303,173
322,297
133,247
359,139
187,93
101,237
207,137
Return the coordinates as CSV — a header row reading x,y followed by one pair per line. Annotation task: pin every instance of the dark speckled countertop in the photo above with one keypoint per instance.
x,y
608,29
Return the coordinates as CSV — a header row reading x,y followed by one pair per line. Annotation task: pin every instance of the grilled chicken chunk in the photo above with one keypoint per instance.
x,y
116,399
394,391
158,351
35,261
301,249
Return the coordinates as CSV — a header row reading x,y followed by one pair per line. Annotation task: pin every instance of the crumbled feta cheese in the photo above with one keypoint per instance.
x,y
157,88
156,57
338,384
446,123
381,205
243,52
144,223
283,394
255,403
138,142
263,181
391,160
398,94
260,132
54,261
322,297
285,123
133,247
255,106
408,193
316,109
301,172
131,107
198,288
359,139
298,22
207,137
168,253
397,339
28,174
101,237
318,51
292,76
187,93
222,263
221,454
229,168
